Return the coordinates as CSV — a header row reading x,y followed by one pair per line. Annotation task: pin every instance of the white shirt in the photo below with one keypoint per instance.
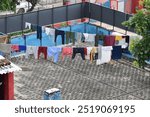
x,y
32,50
104,54
28,25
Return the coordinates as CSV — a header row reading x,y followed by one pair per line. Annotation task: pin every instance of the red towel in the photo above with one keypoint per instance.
x,y
14,48
109,40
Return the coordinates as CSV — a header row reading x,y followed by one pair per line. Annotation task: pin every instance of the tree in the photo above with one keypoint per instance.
x,y
33,3
7,5
141,23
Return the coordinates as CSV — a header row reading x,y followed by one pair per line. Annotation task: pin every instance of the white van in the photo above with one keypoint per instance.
x,y
22,7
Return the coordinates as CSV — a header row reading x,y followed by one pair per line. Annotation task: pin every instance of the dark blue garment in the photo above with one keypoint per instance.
x,y
39,32
116,52
78,50
22,48
37,28
62,33
96,56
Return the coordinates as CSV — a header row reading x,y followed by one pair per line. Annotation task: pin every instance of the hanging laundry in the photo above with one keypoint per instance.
x,y
78,37
99,40
67,51
91,39
62,33
123,43
37,28
39,32
47,31
85,51
109,40
104,54
51,33
78,50
27,25
116,52
118,38
86,35
93,53
54,52
14,48
70,37
83,38
32,50
22,48
43,29
42,50
87,54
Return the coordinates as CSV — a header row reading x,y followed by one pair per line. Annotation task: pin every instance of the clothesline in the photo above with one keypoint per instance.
x,y
105,47
75,36
101,54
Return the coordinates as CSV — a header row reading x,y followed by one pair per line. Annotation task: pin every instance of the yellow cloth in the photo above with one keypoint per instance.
x,y
92,53
118,38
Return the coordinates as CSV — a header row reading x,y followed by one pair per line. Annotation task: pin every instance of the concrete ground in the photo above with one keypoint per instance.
x,y
81,80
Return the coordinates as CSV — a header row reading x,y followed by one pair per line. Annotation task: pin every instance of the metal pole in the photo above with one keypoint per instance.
x,y
81,11
22,23
84,27
126,30
101,15
38,23
52,16
67,14
114,19
38,16
89,11
6,24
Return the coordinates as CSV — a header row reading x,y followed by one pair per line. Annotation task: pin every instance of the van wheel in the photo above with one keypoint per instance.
x,y
20,11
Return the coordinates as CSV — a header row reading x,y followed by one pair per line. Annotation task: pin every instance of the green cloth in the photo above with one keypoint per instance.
x,y
70,37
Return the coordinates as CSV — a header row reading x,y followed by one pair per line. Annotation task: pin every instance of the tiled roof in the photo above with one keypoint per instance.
x,y
7,66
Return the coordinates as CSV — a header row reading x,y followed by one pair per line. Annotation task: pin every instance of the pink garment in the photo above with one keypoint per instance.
x,y
14,48
67,51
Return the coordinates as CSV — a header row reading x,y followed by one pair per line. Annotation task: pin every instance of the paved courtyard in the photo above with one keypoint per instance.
x,y
81,80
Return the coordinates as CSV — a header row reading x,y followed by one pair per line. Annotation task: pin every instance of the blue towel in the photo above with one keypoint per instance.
x,y
22,48
54,52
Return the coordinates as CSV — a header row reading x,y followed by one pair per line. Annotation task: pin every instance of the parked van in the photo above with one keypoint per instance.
x,y
22,7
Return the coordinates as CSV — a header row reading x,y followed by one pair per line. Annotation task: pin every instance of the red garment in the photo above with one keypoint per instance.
x,y
66,51
85,51
109,40
44,51
14,48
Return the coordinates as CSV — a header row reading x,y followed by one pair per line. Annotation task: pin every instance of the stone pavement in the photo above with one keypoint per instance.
x,y
81,80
